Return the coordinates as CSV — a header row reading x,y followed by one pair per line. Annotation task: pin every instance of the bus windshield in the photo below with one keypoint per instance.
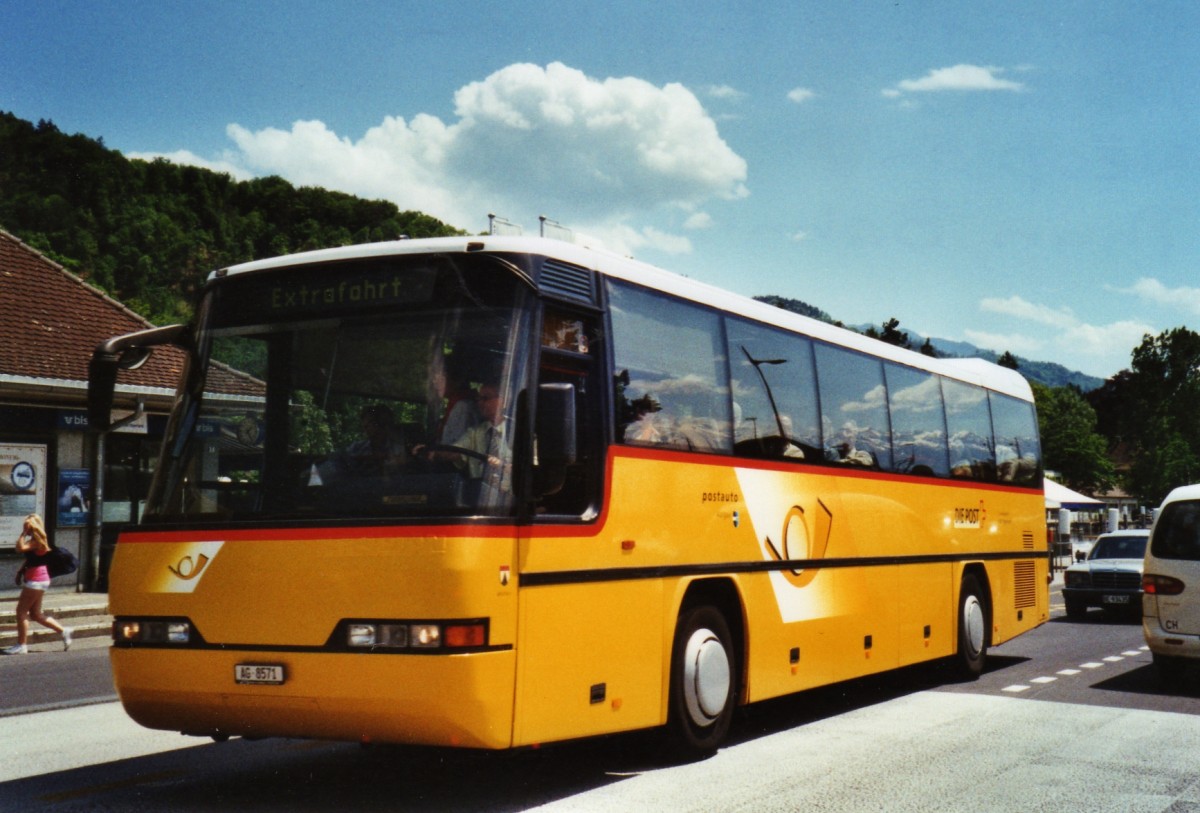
x,y
373,388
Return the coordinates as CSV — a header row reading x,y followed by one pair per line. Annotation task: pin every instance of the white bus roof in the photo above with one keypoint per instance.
x,y
971,370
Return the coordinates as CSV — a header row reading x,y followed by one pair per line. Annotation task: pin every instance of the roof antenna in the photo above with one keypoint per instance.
x,y
555,230
500,226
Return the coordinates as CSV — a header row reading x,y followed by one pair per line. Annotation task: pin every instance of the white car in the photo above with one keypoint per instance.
x,y
1110,577
1171,607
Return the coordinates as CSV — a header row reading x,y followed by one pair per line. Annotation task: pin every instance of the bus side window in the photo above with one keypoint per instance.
x,y
969,422
1018,444
671,388
854,411
774,393
918,421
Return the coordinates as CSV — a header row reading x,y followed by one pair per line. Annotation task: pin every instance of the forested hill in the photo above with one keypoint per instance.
x,y
149,232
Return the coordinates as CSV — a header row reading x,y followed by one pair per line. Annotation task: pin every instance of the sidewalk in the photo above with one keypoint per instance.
x,y
86,614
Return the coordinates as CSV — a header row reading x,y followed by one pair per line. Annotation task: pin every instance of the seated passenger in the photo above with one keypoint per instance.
x,y
379,451
460,413
488,438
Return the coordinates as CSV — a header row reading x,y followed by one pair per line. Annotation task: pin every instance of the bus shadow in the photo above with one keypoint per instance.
x,y
300,775
297,776
781,714
1145,680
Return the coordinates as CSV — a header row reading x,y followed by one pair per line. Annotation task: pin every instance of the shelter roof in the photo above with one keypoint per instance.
x,y
1059,496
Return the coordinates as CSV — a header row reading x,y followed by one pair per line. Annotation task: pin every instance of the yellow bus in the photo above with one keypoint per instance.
x,y
494,492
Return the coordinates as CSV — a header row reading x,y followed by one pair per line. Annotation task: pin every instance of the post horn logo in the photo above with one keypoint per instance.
x,y
188,568
799,545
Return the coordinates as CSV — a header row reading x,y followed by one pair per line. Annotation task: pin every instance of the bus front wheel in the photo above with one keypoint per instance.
x,y
703,682
972,628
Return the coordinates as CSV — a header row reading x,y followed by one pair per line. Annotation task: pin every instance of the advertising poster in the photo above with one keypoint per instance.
x,y
22,487
74,486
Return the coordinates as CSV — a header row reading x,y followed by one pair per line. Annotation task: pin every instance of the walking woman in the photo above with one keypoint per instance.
x,y
34,578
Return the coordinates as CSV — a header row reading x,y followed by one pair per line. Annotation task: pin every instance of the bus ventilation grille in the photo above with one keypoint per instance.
x,y
1027,540
1025,584
567,282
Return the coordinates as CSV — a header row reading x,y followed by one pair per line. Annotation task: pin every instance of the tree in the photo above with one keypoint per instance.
x,y
1009,360
1153,412
892,334
796,306
1070,444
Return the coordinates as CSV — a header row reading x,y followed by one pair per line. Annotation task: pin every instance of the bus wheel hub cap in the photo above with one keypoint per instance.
x,y
705,677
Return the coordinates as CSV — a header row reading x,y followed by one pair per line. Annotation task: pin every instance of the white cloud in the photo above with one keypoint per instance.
x,y
594,153
1154,292
625,239
800,95
724,92
1061,334
1029,311
698,220
799,237
1115,340
666,243
957,77
999,342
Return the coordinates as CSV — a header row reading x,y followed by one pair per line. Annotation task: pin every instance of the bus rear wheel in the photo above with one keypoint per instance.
x,y
972,628
703,682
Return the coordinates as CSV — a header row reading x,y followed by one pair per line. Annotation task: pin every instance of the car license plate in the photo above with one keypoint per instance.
x,y
1115,599
269,673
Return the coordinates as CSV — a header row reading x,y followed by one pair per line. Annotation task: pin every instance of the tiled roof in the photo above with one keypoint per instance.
x,y
51,321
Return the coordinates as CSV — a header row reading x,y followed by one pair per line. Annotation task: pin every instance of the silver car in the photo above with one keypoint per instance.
x,y
1110,577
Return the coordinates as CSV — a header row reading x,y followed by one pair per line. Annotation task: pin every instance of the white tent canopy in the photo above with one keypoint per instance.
x,y
1059,496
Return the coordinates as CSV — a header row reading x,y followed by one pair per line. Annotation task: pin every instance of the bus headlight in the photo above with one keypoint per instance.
x,y
426,636
153,631
368,635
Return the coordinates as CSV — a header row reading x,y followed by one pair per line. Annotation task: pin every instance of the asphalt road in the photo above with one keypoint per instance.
x,y
50,678
1069,717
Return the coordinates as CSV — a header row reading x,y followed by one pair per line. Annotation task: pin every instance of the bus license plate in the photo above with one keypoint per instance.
x,y
269,673
1115,599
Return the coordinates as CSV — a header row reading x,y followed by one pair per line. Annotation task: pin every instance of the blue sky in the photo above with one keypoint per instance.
x,y
1020,175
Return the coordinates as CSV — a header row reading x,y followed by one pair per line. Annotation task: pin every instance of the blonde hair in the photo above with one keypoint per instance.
x,y
37,530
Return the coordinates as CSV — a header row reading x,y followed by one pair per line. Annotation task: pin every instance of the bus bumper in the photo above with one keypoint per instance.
x,y
463,700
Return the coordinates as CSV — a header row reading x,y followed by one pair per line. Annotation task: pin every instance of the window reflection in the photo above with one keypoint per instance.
x,y
854,410
671,373
969,424
918,421
774,393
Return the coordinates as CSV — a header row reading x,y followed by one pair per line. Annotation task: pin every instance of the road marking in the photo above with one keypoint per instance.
x,y
1019,687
